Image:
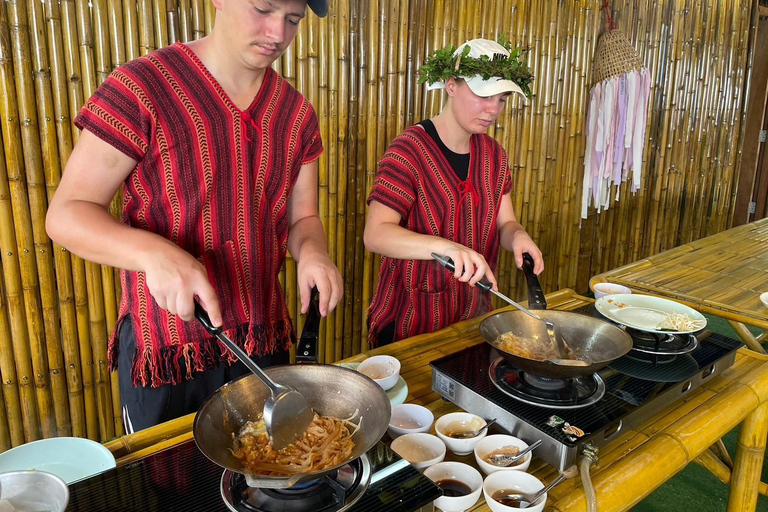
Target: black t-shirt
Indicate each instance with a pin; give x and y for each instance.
(459, 161)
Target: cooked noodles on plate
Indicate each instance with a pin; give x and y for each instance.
(651, 314)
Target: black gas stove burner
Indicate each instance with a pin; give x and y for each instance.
(666, 344)
(543, 391)
(334, 492)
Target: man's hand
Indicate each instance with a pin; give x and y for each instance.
(175, 278)
(316, 269)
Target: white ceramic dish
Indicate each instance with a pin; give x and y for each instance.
(421, 450)
(466, 421)
(384, 370)
(396, 394)
(494, 442)
(764, 298)
(512, 481)
(33, 490)
(602, 289)
(69, 458)
(409, 419)
(461, 472)
(645, 313)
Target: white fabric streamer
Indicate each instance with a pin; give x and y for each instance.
(616, 125)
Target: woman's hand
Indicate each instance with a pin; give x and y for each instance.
(521, 244)
(470, 265)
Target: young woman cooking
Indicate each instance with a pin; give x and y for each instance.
(443, 187)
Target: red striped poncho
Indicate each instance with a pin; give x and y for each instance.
(416, 181)
(215, 180)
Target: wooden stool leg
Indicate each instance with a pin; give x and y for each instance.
(747, 336)
(748, 465)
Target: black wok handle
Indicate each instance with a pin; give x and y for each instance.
(306, 350)
(536, 299)
(447, 262)
(202, 315)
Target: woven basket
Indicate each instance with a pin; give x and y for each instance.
(614, 56)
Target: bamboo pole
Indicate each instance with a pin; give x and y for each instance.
(28, 195)
(12, 393)
(38, 195)
(75, 93)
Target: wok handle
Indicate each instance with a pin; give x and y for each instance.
(306, 350)
(536, 299)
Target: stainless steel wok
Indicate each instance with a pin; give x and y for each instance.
(329, 390)
(600, 341)
(587, 336)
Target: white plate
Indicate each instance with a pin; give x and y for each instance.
(645, 313)
(70, 458)
(764, 298)
(397, 394)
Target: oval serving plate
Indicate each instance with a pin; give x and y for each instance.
(397, 394)
(69, 458)
(646, 313)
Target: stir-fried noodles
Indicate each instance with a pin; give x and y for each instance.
(529, 348)
(326, 443)
(680, 322)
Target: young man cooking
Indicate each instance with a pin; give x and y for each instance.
(217, 156)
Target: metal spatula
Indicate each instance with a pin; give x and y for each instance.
(286, 412)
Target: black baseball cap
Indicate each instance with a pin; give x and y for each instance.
(319, 7)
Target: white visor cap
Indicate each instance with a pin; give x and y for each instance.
(479, 86)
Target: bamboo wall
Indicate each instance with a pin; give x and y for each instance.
(358, 67)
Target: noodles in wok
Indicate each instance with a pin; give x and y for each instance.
(529, 348)
(326, 443)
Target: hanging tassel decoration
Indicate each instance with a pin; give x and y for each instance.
(616, 119)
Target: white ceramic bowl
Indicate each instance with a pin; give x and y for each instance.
(421, 450)
(452, 472)
(512, 481)
(33, 490)
(494, 442)
(764, 298)
(603, 289)
(384, 370)
(409, 419)
(459, 421)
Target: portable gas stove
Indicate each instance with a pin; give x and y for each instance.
(571, 414)
(181, 478)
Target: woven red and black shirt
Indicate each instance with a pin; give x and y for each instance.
(415, 180)
(215, 180)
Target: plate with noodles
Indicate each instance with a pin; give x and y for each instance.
(651, 314)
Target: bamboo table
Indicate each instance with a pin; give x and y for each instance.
(722, 275)
(629, 468)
